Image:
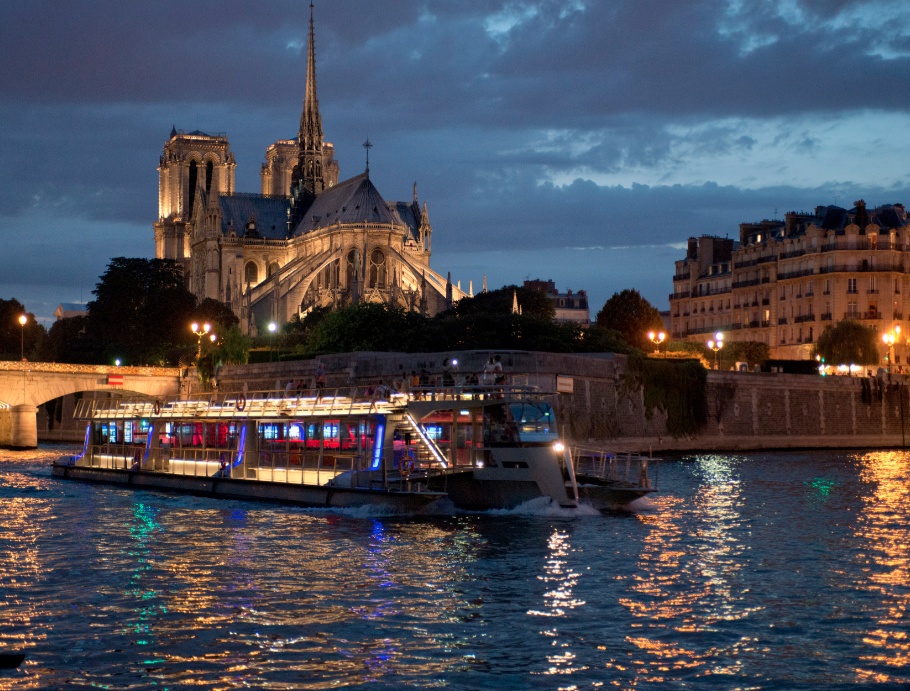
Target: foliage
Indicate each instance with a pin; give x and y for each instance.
(233, 348)
(141, 311)
(632, 316)
(216, 313)
(13, 334)
(678, 388)
(67, 341)
(752, 352)
(361, 327)
(849, 342)
(532, 303)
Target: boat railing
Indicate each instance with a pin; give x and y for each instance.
(351, 400)
(632, 469)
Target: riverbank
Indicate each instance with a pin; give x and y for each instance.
(598, 405)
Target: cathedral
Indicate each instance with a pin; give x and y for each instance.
(306, 241)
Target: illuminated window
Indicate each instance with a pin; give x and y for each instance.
(377, 269)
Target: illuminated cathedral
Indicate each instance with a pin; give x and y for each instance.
(307, 240)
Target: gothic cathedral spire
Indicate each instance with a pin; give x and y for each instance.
(307, 178)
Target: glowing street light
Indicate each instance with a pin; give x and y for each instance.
(889, 340)
(273, 327)
(657, 339)
(200, 332)
(716, 344)
(23, 318)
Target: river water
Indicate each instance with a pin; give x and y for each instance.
(773, 570)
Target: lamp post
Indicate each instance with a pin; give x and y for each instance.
(273, 327)
(716, 344)
(657, 339)
(889, 339)
(23, 318)
(200, 332)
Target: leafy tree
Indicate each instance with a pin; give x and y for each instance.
(752, 352)
(142, 312)
(233, 347)
(849, 342)
(216, 313)
(632, 316)
(13, 334)
(68, 341)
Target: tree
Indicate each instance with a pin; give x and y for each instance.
(752, 352)
(632, 316)
(14, 337)
(67, 341)
(849, 343)
(216, 313)
(142, 312)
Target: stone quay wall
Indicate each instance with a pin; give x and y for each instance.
(746, 411)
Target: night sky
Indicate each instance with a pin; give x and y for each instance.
(576, 140)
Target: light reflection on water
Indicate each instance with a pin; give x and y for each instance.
(743, 572)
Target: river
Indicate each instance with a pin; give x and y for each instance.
(772, 570)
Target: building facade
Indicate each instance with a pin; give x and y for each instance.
(570, 307)
(783, 282)
(306, 241)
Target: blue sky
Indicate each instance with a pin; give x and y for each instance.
(576, 140)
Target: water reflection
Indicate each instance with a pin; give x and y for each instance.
(685, 591)
(560, 580)
(883, 566)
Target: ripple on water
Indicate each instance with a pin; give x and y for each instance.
(764, 571)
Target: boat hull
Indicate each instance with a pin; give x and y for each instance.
(606, 497)
(469, 492)
(229, 488)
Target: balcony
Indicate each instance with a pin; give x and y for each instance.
(747, 284)
(804, 318)
(785, 275)
(872, 291)
(766, 301)
(826, 317)
(781, 320)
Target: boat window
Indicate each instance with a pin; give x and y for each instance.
(535, 421)
(499, 426)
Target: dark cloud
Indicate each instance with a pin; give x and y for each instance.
(488, 104)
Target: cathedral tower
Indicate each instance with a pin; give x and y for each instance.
(189, 161)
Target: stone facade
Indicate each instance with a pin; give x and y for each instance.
(783, 282)
(306, 241)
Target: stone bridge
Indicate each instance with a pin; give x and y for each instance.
(26, 385)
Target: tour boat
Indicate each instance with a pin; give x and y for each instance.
(480, 448)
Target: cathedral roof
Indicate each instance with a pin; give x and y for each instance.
(353, 201)
(268, 214)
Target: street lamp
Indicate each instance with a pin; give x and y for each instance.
(273, 327)
(23, 318)
(200, 332)
(657, 339)
(716, 345)
(889, 339)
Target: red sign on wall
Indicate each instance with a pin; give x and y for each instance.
(115, 379)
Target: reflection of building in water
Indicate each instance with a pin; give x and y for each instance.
(307, 241)
(885, 567)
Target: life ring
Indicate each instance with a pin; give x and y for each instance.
(157, 407)
(241, 402)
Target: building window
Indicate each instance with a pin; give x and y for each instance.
(251, 273)
(377, 269)
(851, 285)
(851, 308)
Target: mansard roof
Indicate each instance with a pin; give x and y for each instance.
(836, 218)
(354, 201)
(270, 214)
